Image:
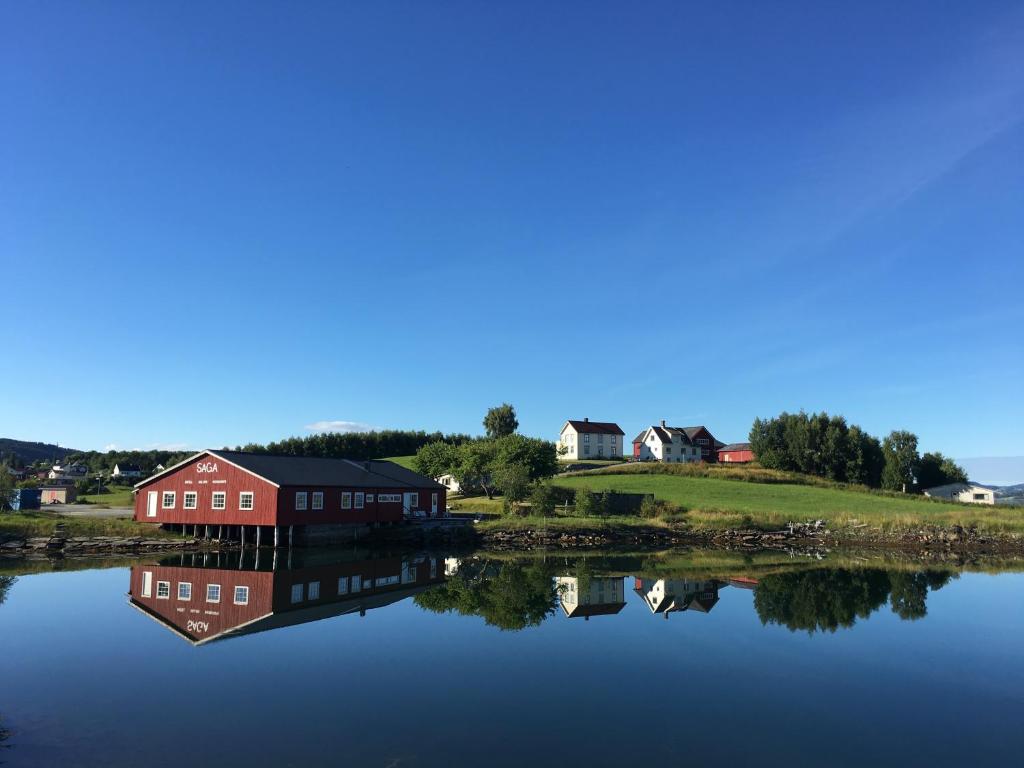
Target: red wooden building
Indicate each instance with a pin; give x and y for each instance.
(735, 453)
(231, 596)
(214, 493)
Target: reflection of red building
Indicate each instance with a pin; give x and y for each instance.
(205, 603)
(232, 492)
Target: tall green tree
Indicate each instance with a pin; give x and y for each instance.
(901, 460)
(6, 487)
(935, 469)
(501, 421)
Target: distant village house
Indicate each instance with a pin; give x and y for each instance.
(968, 493)
(126, 471)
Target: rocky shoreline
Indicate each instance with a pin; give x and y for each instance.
(59, 544)
(814, 535)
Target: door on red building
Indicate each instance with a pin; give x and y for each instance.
(151, 504)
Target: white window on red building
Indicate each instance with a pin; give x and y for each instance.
(190, 500)
(245, 500)
(318, 499)
(300, 501)
(167, 501)
(219, 500)
(346, 500)
(359, 500)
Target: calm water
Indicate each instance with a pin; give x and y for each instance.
(415, 659)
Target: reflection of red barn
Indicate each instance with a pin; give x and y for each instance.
(743, 582)
(202, 604)
(735, 453)
(262, 494)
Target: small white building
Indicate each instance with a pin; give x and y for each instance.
(126, 471)
(590, 440)
(968, 493)
(68, 472)
(449, 482)
(668, 444)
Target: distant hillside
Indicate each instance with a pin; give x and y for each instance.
(32, 452)
(1010, 494)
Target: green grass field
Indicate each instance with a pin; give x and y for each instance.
(402, 461)
(116, 497)
(712, 503)
(42, 523)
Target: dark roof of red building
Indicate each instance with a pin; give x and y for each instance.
(598, 427)
(736, 447)
(312, 470)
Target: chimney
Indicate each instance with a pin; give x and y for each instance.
(662, 423)
(585, 419)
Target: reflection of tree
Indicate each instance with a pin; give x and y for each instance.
(514, 597)
(827, 599)
(4, 734)
(6, 582)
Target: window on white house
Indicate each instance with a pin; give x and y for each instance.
(297, 592)
(241, 595)
(190, 500)
(359, 500)
(213, 593)
(184, 590)
(346, 500)
(318, 499)
(313, 591)
(245, 500)
(163, 590)
(300, 501)
(586, 438)
(167, 501)
(668, 449)
(219, 500)
(586, 450)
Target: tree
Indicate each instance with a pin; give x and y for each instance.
(543, 500)
(436, 459)
(901, 460)
(475, 465)
(6, 487)
(513, 481)
(540, 457)
(864, 461)
(935, 469)
(501, 421)
(585, 502)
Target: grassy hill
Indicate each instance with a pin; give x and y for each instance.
(728, 497)
(402, 461)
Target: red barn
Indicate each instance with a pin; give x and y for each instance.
(263, 495)
(735, 453)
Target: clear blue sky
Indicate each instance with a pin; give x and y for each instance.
(229, 222)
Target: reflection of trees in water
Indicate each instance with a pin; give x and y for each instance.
(6, 582)
(510, 596)
(4, 736)
(827, 599)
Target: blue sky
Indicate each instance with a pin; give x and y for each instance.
(233, 222)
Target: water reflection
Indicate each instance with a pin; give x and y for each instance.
(209, 597)
(206, 597)
(830, 598)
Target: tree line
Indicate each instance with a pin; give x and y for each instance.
(826, 446)
(359, 446)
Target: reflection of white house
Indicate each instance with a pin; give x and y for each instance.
(590, 440)
(969, 493)
(668, 444)
(596, 596)
(667, 596)
(451, 566)
(449, 482)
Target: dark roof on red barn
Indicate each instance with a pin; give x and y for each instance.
(736, 447)
(596, 427)
(312, 470)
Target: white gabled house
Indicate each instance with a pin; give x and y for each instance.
(591, 440)
(668, 444)
(968, 493)
(449, 482)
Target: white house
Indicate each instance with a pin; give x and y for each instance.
(126, 471)
(668, 444)
(449, 482)
(969, 493)
(68, 472)
(591, 440)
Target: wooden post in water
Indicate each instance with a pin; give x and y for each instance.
(259, 535)
(277, 536)
(273, 565)
(291, 535)
(243, 535)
